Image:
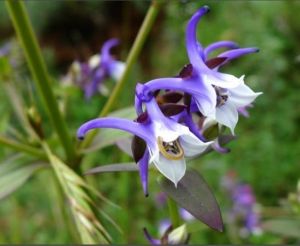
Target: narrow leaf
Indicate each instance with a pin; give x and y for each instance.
(12, 180)
(284, 227)
(120, 167)
(193, 194)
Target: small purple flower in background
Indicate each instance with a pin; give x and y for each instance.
(244, 206)
(11, 50)
(158, 139)
(90, 76)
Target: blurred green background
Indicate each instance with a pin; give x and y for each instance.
(265, 155)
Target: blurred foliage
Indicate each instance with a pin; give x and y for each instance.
(265, 155)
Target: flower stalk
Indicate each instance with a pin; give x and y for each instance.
(174, 213)
(22, 147)
(131, 59)
(27, 38)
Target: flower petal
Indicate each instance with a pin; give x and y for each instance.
(227, 115)
(116, 69)
(191, 145)
(236, 53)
(143, 167)
(91, 88)
(222, 80)
(242, 95)
(105, 50)
(203, 93)
(219, 45)
(173, 170)
(192, 45)
(135, 128)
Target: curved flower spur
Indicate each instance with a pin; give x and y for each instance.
(216, 95)
(157, 138)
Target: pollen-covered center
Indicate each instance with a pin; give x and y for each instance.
(170, 150)
(222, 96)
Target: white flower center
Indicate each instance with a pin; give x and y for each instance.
(171, 150)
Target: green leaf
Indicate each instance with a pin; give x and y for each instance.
(194, 195)
(107, 137)
(120, 167)
(14, 174)
(283, 227)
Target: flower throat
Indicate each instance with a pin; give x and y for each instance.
(171, 150)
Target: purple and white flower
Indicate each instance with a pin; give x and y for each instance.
(167, 141)
(217, 95)
(90, 75)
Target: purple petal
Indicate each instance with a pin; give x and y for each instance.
(105, 50)
(204, 94)
(217, 147)
(192, 45)
(244, 110)
(92, 87)
(151, 240)
(116, 69)
(143, 167)
(122, 124)
(193, 128)
(233, 54)
(219, 45)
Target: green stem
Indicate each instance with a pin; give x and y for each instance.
(131, 59)
(22, 147)
(174, 213)
(27, 38)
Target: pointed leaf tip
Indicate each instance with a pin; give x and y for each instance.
(194, 195)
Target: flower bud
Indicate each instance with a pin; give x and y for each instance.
(178, 236)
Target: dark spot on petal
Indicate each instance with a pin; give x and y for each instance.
(142, 118)
(172, 97)
(187, 98)
(186, 71)
(214, 62)
(170, 109)
(138, 147)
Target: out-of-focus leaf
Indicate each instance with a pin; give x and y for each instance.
(283, 227)
(194, 195)
(5, 68)
(14, 174)
(108, 136)
(125, 145)
(120, 167)
(18, 105)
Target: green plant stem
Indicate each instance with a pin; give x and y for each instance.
(131, 59)
(174, 213)
(27, 38)
(22, 147)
